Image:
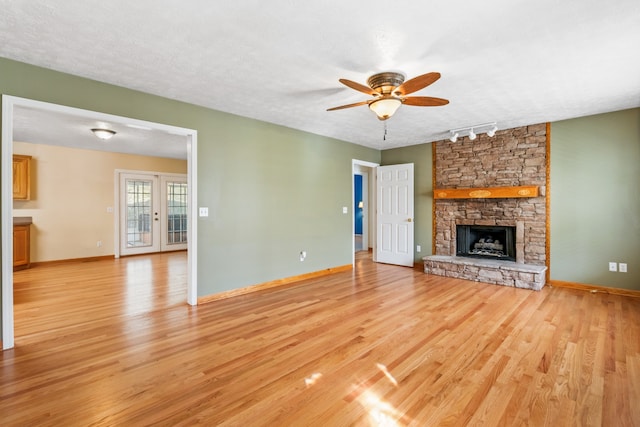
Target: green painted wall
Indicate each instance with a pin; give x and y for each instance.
(421, 157)
(271, 191)
(595, 199)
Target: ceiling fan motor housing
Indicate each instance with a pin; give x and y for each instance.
(385, 82)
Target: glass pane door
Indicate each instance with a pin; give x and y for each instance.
(139, 214)
(153, 213)
(175, 213)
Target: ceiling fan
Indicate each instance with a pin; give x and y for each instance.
(389, 91)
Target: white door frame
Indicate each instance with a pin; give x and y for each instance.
(355, 169)
(6, 196)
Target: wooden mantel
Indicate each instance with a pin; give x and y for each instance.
(487, 193)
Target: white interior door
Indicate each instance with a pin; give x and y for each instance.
(395, 214)
(139, 214)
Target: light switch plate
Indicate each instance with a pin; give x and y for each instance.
(345, 210)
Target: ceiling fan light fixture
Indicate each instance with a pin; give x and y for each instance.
(390, 90)
(385, 107)
(103, 133)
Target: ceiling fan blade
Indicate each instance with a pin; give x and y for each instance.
(359, 87)
(416, 83)
(348, 106)
(424, 101)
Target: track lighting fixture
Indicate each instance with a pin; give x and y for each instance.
(473, 131)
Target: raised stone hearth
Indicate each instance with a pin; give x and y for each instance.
(505, 273)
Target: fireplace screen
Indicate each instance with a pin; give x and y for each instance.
(491, 242)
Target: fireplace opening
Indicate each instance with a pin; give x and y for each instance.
(489, 242)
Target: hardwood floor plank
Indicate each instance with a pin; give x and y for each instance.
(113, 342)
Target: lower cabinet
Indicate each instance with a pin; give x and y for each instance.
(21, 249)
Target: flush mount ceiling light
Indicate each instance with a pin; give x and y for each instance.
(473, 131)
(103, 133)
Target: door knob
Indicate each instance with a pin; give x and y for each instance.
(409, 220)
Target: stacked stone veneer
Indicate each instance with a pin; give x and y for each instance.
(504, 273)
(513, 157)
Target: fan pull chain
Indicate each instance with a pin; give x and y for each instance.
(384, 137)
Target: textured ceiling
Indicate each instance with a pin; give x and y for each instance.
(512, 62)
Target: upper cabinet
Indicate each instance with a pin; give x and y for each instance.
(21, 177)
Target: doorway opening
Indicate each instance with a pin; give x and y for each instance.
(9, 106)
(360, 214)
(363, 186)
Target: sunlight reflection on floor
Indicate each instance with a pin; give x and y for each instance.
(312, 379)
(387, 374)
(381, 413)
(139, 286)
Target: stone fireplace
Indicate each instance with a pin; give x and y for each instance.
(492, 183)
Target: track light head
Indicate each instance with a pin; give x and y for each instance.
(472, 135)
(454, 137)
(492, 131)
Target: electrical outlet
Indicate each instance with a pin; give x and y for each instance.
(345, 210)
(623, 267)
(203, 211)
(418, 248)
(613, 266)
(303, 255)
(99, 243)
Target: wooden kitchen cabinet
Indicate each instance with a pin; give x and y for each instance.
(21, 243)
(21, 177)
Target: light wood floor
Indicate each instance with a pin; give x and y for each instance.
(114, 343)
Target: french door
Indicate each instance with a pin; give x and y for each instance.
(153, 213)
